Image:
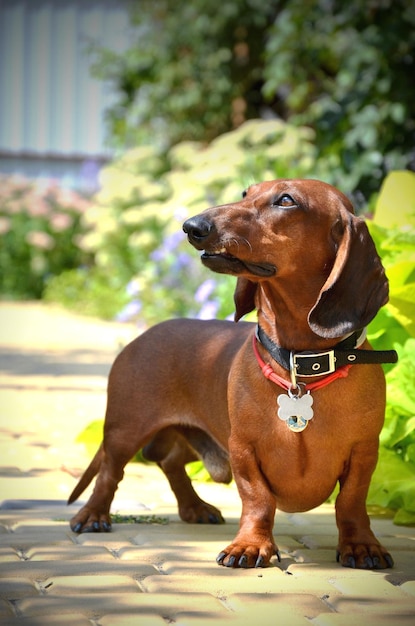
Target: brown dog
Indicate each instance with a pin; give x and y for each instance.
(189, 389)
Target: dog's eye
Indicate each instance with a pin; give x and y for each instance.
(285, 201)
(245, 191)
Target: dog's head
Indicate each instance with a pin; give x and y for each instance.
(300, 231)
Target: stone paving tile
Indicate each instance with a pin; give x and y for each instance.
(409, 587)
(369, 586)
(319, 541)
(149, 575)
(68, 553)
(82, 584)
(225, 583)
(26, 539)
(382, 527)
(318, 555)
(403, 570)
(45, 570)
(400, 543)
(274, 609)
(6, 612)
(168, 559)
(365, 605)
(75, 619)
(12, 588)
(374, 619)
(95, 606)
(286, 543)
(225, 619)
(8, 554)
(133, 620)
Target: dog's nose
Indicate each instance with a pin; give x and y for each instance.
(198, 229)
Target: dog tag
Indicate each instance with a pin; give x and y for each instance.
(295, 411)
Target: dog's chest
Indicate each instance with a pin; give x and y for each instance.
(301, 473)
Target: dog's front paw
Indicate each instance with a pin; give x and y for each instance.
(248, 553)
(364, 556)
(90, 521)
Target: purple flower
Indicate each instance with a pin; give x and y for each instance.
(129, 311)
(208, 311)
(182, 260)
(132, 288)
(90, 175)
(169, 245)
(205, 290)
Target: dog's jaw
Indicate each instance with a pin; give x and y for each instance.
(222, 262)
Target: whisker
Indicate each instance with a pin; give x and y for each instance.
(247, 243)
(237, 243)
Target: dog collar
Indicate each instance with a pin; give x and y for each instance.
(325, 362)
(295, 406)
(289, 386)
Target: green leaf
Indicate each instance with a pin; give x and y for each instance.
(397, 431)
(410, 453)
(197, 471)
(404, 518)
(401, 273)
(385, 331)
(393, 482)
(92, 434)
(400, 380)
(396, 201)
(402, 306)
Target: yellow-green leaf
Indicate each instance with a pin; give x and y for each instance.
(396, 202)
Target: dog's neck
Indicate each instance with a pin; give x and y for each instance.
(283, 315)
(284, 333)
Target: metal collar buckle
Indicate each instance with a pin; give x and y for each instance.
(314, 364)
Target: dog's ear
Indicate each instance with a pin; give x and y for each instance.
(357, 285)
(244, 297)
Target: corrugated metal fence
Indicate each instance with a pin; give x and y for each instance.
(51, 108)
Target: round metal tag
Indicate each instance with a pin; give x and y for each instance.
(296, 423)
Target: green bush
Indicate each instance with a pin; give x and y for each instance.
(393, 228)
(88, 291)
(351, 83)
(40, 226)
(343, 68)
(134, 228)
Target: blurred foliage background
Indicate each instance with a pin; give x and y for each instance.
(213, 96)
(344, 69)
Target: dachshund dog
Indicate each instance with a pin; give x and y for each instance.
(290, 406)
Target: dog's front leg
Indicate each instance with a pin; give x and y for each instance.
(254, 544)
(358, 546)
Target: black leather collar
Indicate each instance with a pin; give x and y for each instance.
(324, 362)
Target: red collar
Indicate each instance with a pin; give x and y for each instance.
(269, 373)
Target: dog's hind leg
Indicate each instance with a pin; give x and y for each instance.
(94, 516)
(172, 449)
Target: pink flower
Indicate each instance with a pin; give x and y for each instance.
(5, 223)
(37, 206)
(14, 206)
(39, 239)
(60, 221)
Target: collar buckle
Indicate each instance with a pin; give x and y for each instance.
(314, 364)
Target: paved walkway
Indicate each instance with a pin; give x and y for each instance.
(53, 369)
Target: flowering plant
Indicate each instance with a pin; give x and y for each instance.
(135, 224)
(39, 229)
